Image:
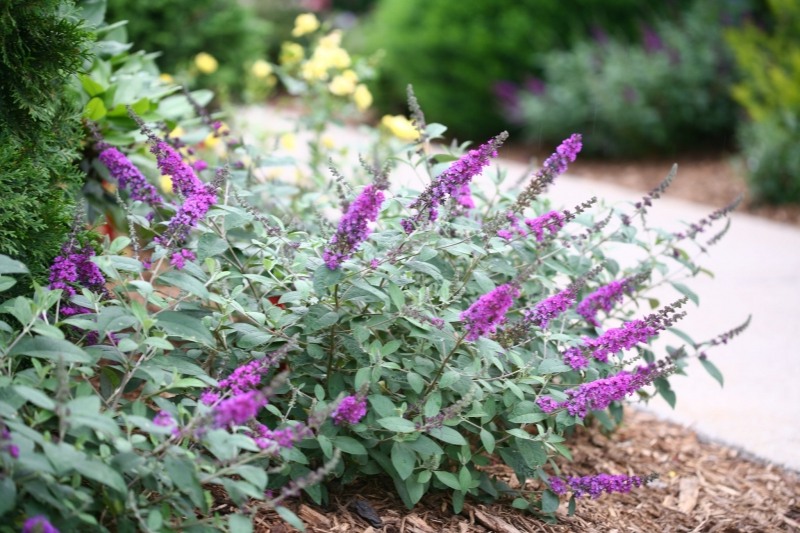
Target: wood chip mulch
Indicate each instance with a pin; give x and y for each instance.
(704, 487)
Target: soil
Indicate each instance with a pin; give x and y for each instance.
(711, 179)
(703, 487)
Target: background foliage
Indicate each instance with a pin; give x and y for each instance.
(42, 45)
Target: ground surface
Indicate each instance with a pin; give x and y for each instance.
(703, 487)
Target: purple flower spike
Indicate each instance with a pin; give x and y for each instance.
(549, 308)
(238, 409)
(488, 312)
(552, 222)
(597, 395)
(129, 177)
(464, 197)
(450, 183)
(179, 258)
(604, 299)
(350, 410)
(38, 524)
(594, 486)
(354, 227)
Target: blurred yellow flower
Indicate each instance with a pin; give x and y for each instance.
(305, 23)
(344, 83)
(291, 53)
(362, 97)
(288, 141)
(206, 63)
(400, 127)
(177, 132)
(165, 182)
(327, 142)
(332, 40)
(166, 78)
(261, 69)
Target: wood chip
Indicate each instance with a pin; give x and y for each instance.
(494, 523)
(689, 491)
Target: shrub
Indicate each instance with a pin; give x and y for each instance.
(453, 51)
(769, 90)
(226, 32)
(42, 45)
(668, 94)
(249, 350)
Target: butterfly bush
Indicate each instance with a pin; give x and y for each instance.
(248, 343)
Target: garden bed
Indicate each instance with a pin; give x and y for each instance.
(703, 487)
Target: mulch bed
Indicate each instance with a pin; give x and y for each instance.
(704, 487)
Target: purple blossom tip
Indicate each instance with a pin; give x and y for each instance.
(354, 227)
(350, 410)
(488, 312)
(38, 524)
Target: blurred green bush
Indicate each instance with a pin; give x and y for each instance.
(454, 51)
(42, 45)
(667, 94)
(769, 89)
(228, 31)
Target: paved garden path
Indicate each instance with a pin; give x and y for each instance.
(757, 271)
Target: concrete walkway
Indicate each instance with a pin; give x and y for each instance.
(757, 271)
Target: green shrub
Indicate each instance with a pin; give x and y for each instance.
(42, 45)
(769, 90)
(181, 29)
(668, 94)
(454, 51)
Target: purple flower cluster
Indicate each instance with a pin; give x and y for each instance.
(198, 196)
(594, 486)
(165, 420)
(612, 341)
(74, 269)
(350, 410)
(464, 197)
(239, 408)
(543, 312)
(450, 183)
(604, 298)
(551, 221)
(38, 524)
(5, 435)
(354, 227)
(128, 176)
(245, 378)
(279, 439)
(179, 258)
(566, 153)
(599, 394)
(488, 312)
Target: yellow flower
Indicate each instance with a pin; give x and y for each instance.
(165, 182)
(166, 78)
(291, 53)
(261, 69)
(362, 97)
(332, 40)
(177, 132)
(344, 83)
(305, 23)
(206, 63)
(327, 142)
(288, 141)
(314, 69)
(400, 127)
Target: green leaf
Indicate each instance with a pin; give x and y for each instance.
(184, 326)
(528, 418)
(239, 523)
(91, 87)
(349, 445)
(95, 109)
(465, 479)
(51, 349)
(425, 268)
(397, 424)
(185, 282)
(549, 502)
(448, 435)
(552, 366)
(36, 397)
(102, 473)
(255, 475)
(324, 277)
(396, 295)
(415, 382)
(686, 291)
(6, 283)
(290, 518)
(448, 479)
(532, 452)
(458, 501)
(488, 441)
(11, 266)
(8, 494)
(665, 390)
(712, 370)
(183, 474)
(403, 459)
